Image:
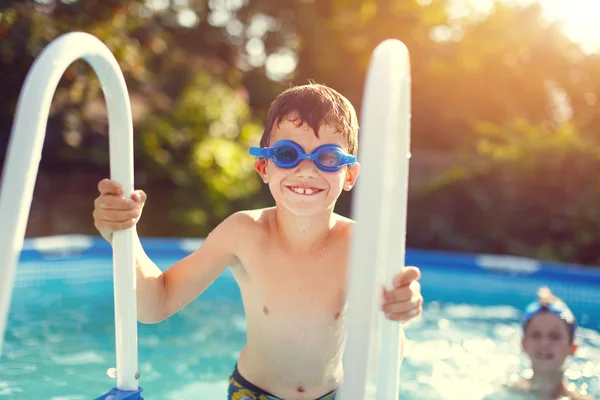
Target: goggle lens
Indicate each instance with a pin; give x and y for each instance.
(329, 158)
(285, 154)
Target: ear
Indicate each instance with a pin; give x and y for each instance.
(260, 166)
(351, 176)
(574, 347)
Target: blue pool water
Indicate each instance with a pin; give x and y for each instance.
(60, 338)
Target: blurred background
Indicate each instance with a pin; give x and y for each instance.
(505, 124)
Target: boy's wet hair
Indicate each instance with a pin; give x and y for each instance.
(314, 104)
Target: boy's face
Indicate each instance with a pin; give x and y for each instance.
(547, 342)
(305, 189)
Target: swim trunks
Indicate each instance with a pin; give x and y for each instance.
(241, 389)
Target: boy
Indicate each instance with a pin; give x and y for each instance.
(548, 339)
(290, 261)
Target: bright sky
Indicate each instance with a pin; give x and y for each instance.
(580, 19)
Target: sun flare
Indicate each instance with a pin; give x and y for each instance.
(579, 19)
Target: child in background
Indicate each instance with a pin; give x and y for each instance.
(548, 339)
(290, 261)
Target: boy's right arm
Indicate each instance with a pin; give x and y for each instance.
(160, 295)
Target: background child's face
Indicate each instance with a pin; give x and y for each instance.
(547, 342)
(305, 189)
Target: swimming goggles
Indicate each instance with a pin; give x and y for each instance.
(557, 307)
(288, 154)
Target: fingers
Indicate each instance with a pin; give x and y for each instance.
(413, 304)
(104, 225)
(405, 315)
(107, 186)
(404, 312)
(139, 197)
(113, 215)
(403, 303)
(112, 211)
(112, 202)
(110, 187)
(403, 293)
(408, 275)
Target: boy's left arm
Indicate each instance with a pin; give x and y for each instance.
(404, 302)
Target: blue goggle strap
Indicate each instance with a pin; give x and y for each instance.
(557, 308)
(263, 152)
(348, 159)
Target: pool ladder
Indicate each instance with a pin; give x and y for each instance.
(20, 173)
(378, 247)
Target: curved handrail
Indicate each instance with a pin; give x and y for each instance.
(379, 239)
(22, 164)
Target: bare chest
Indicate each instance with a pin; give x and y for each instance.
(303, 285)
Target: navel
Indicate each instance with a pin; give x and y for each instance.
(300, 389)
(265, 310)
(338, 315)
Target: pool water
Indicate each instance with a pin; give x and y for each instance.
(60, 340)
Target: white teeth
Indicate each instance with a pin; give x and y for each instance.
(300, 190)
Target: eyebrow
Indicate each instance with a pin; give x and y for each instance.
(537, 330)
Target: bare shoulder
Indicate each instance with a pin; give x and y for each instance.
(244, 224)
(342, 222)
(524, 386)
(521, 386)
(515, 390)
(252, 218)
(343, 227)
(231, 239)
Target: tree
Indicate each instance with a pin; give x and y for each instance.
(192, 122)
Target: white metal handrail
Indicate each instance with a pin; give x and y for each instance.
(379, 238)
(22, 164)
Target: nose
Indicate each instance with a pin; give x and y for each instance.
(544, 342)
(306, 169)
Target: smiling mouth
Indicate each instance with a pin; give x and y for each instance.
(305, 191)
(544, 356)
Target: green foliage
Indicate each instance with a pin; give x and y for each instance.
(199, 148)
(192, 120)
(27, 27)
(530, 190)
(200, 73)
